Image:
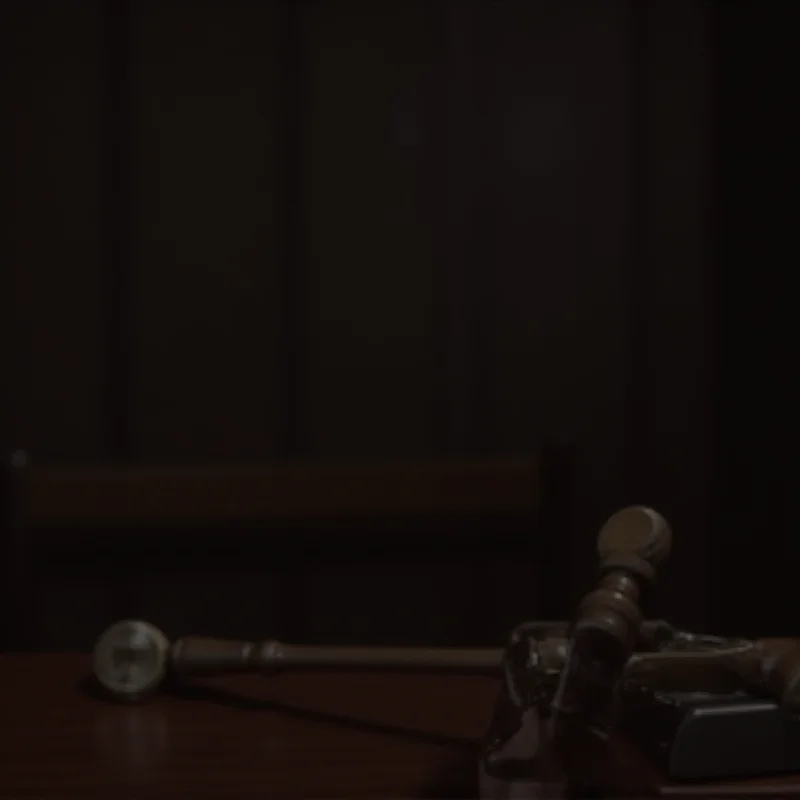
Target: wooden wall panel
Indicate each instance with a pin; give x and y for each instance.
(55, 257)
(370, 287)
(206, 295)
(563, 195)
(563, 207)
(674, 371)
(367, 230)
(754, 472)
(229, 600)
(464, 113)
(205, 285)
(70, 608)
(381, 275)
(396, 600)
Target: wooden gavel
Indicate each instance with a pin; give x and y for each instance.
(604, 631)
(609, 622)
(133, 658)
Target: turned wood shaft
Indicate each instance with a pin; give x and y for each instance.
(200, 655)
(771, 666)
(207, 655)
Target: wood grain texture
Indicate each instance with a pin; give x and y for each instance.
(309, 552)
(674, 371)
(330, 735)
(370, 299)
(469, 239)
(55, 253)
(205, 298)
(562, 172)
(120, 495)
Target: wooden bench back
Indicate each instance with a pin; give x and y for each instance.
(84, 508)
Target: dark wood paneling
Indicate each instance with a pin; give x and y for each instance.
(226, 550)
(204, 287)
(206, 275)
(338, 734)
(69, 608)
(109, 496)
(367, 389)
(394, 600)
(463, 126)
(118, 230)
(295, 114)
(673, 370)
(757, 405)
(561, 163)
(56, 247)
(373, 295)
(369, 230)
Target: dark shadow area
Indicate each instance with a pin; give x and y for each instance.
(168, 547)
(197, 693)
(456, 780)
(258, 233)
(440, 230)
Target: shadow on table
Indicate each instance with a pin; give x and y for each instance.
(456, 780)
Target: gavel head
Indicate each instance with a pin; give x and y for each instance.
(130, 659)
(636, 531)
(631, 544)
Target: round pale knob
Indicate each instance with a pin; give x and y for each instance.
(130, 659)
(636, 531)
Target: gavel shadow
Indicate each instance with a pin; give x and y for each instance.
(455, 779)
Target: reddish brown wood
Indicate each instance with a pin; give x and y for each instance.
(337, 735)
(114, 495)
(333, 735)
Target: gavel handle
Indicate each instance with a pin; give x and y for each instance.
(768, 665)
(206, 656)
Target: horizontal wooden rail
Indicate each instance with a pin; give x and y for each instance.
(302, 491)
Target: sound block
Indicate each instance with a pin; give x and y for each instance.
(699, 736)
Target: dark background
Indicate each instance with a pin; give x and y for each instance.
(334, 230)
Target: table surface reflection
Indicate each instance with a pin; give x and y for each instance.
(314, 735)
(320, 735)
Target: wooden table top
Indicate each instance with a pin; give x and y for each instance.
(314, 735)
(325, 735)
